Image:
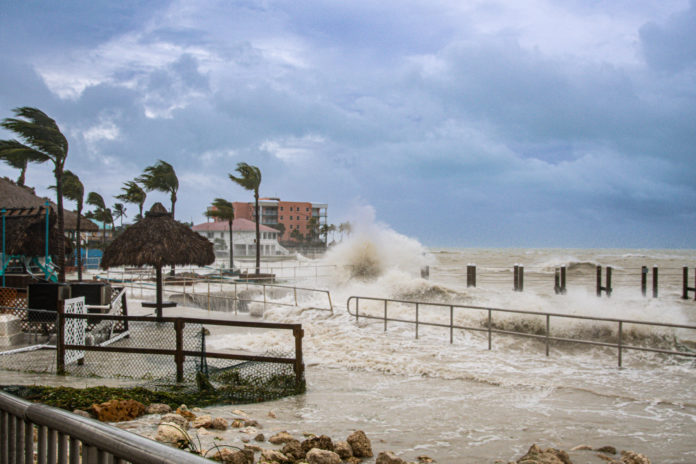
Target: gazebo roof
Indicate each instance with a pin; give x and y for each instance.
(158, 240)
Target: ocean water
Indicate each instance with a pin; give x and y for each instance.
(462, 403)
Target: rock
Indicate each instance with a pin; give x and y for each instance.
(387, 457)
(202, 421)
(630, 457)
(321, 442)
(253, 448)
(320, 456)
(581, 448)
(219, 424)
(280, 438)
(80, 412)
(259, 437)
(274, 456)
(118, 410)
(607, 450)
(606, 458)
(425, 459)
(271, 414)
(184, 411)
(536, 455)
(234, 456)
(360, 444)
(252, 423)
(237, 423)
(175, 419)
(239, 412)
(353, 460)
(293, 449)
(171, 433)
(343, 449)
(158, 408)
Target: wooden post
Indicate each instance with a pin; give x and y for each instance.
(124, 311)
(60, 339)
(299, 363)
(520, 276)
(471, 275)
(654, 282)
(179, 356)
(557, 281)
(515, 277)
(599, 280)
(685, 283)
(563, 280)
(644, 280)
(158, 291)
(607, 288)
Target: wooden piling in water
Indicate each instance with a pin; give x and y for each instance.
(471, 275)
(685, 284)
(607, 287)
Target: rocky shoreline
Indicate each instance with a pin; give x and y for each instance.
(239, 440)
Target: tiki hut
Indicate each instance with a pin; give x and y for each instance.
(25, 231)
(158, 240)
(19, 196)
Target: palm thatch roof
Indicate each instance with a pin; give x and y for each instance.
(25, 232)
(19, 196)
(158, 240)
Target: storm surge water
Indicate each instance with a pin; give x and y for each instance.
(460, 402)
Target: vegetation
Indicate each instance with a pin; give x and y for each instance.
(223, 209)
(42, 141)
(119, 212)
(162, 177)
(75, 191)
(133, 193)
(101, 212)
(250, 179)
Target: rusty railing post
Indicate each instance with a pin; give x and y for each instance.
(298, 333)
(179, 356)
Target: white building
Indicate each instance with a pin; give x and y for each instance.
(244, 238)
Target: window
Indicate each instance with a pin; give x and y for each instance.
(307, 209)
(281, 218)
(281, 208)
(291, 218)
(290, 226)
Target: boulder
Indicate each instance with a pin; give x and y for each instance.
(360, 444)
(172, 433)
(175, 419)
(238, 423)
(259, 437)
(293, 449)
(322, 442)
(274, 456)
(387, 457)
(158, 408)
(253, 448)
(219, 423)
(202, 421)
(280, 438)
(630, 457)
(234, 456)
(184, 411)
(252, 423)
(117, 410)
(320, 456)
(343, 449)
(425, 459)
(607, 450)
(536, 455)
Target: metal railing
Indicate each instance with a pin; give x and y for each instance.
(188, 288)
(62, 438)
(620, 346)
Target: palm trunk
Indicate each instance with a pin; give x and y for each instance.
(60, 253)
(173, 271)
(258, 232)
(79, 244)
(231, 248)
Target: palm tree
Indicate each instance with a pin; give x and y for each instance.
(224, 210)
(99, 213)
(250, 179)
(17, 161)
(119, 212)
(75, 191)
(133, 193)
(161, 177)
(324, 230)
(43, 141)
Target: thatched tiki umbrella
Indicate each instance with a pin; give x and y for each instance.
(158, 240)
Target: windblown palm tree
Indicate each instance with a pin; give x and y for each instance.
(17, 161)
(250, 179)
(133, 193)
(162, 177)
(119, 212)
(100, 212)
(224, 210)
(42, 141)
(75, 191)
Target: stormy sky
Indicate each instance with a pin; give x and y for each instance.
(568, 123)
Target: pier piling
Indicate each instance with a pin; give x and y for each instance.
(471, 275)
(685, 284)
(560, 281)
(607, 287)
